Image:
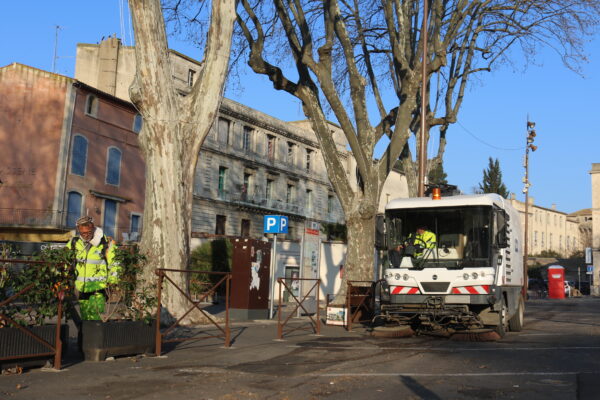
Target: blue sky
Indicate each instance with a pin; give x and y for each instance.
(492, 121)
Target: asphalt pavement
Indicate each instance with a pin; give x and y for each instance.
(556, 356)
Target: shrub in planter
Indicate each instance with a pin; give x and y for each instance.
(127, 324)
(37, 306)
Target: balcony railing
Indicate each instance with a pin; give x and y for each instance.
(37, 218)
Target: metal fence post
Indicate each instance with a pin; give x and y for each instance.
(227, 328)
(318, 307)
(57, 340)
(158, 337)
(279, 327)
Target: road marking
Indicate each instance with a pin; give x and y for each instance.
(448, 349)
(464, 374)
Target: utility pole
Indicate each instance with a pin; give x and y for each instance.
(57, 28)
(528, 145)
(422, 153)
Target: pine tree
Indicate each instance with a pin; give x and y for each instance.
(437, 176)
(492, 179)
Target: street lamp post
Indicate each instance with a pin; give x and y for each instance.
(422, 151)
(529, 146)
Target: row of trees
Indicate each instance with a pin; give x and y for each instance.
(337, 58)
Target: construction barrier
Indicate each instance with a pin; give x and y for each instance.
(359, 302)
(225, 329)
(315, 325)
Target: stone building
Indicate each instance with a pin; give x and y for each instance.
(67, 150)
(549, 229)
(250, 165)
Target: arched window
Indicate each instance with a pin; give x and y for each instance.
(137, 123)
(91, 105)
(79, 155)
(73, 208)
(113, 166)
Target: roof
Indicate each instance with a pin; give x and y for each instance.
(488, 199)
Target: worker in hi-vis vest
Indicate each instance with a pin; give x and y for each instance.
(424, 239)
(95, 268)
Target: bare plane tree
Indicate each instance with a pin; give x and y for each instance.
(173, 131)
(349, 56)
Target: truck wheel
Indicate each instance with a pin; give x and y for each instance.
(516, 322)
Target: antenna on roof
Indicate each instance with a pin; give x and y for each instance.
(57, 27)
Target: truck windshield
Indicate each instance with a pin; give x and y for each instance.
(450, 237)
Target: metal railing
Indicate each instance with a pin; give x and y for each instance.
(358, 302)
(53, 350)
(315, 325)
(225, 330)
(32, 217)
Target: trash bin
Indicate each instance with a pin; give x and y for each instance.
(556, 282)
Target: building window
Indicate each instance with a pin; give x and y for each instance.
(550, 241)
(309, 154)
(223, 131)
(73, 208)
(270, 148)
(290, 194)
(134, 228)
(247, 139)
(330, 201)
(290, 153)
(542, 239)
(560, 243)
(269, 189)
(190, 79)
(79, 155)
(138, 121)
(110, 217)
(222, 189)
(220, 225)
(91, 105)
(245, 228)
(113, 166)
(309, 200)
(246, 187)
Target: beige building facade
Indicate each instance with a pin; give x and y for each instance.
(549, 229)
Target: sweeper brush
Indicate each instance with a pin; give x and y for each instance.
(476, 335)
(392, 331)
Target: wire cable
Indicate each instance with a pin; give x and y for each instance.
(486, 143)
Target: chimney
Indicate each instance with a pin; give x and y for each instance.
(108, 60)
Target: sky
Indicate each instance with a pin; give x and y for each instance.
(491, 123)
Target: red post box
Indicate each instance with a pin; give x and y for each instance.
(556, 282)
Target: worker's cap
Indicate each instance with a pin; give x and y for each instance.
(84, 221)
(422, 226)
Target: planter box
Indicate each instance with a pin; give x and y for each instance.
(116, 338)
(15, 345)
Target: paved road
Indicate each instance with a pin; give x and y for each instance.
(557, 356)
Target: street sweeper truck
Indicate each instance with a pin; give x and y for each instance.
(455, 263)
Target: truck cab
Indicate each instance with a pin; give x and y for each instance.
(469, 277)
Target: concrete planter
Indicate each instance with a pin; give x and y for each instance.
(116, 338)
(18, 348)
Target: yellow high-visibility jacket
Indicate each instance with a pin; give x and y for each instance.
(96, 266)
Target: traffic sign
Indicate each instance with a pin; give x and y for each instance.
(590, 270)
(275, 224)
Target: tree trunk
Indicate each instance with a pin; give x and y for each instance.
(174, 129)
(168, 211)
(360, 255)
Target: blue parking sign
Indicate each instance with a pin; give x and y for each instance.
(275, 224)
